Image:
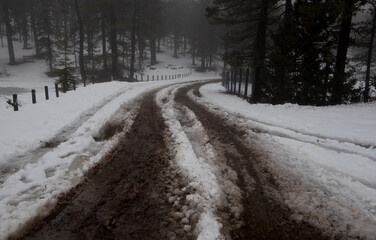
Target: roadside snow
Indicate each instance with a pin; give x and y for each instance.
(32, 124)
(321, 155)
(355, 123)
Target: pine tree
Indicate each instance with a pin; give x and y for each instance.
(300, 64)
(64, 67)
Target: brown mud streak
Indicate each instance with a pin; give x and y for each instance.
(263, 217)
(122, 198)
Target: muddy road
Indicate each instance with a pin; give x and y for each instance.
(142, 191)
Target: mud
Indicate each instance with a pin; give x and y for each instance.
(122, 198)
(263, 216)
(127, 195)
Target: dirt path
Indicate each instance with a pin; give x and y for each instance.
(122, 198)
(125, 196)
(263, 217)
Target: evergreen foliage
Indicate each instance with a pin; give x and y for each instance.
(299, 60)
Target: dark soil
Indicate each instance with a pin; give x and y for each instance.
(122, 198)
(263, 217)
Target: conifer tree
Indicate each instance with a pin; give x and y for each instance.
(65, 67)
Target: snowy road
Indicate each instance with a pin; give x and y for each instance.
(184, 168)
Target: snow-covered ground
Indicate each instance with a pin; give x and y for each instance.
(331, 150)
(45, 148)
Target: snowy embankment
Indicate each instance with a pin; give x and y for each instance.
(324, 157)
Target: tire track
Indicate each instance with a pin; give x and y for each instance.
(263, 216)
(121, 198)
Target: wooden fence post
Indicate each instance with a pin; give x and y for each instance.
(92, 79)
(246, 83)
(57, 90)
(33, 96)
(46, 92)
(15, 102)
(142, 78)
(148, 78)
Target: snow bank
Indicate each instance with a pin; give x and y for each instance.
(326, 171)
(355, 123)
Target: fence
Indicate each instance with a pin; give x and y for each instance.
(64, 87)
(239, 82)
(157, 77)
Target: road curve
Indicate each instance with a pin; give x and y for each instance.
(142, 191)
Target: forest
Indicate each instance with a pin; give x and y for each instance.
(310, 52)
(108, 38)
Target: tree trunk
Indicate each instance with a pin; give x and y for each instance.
(176, 43)
(90, 54)
(1, 34)
(25, 29)
(49, 52)
(260, 50)
(12, 59)
(343, 44)
(133, 43)
(203, 58)
(113, 43)
(153, 51)
(81, 50)
(104, 46)
(34, 28)
(369, 58)
(176, 29)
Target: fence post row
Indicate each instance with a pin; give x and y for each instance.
(158, 77)
(229, 81)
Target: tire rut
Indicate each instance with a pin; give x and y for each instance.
(263, 216)
(121, 198)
